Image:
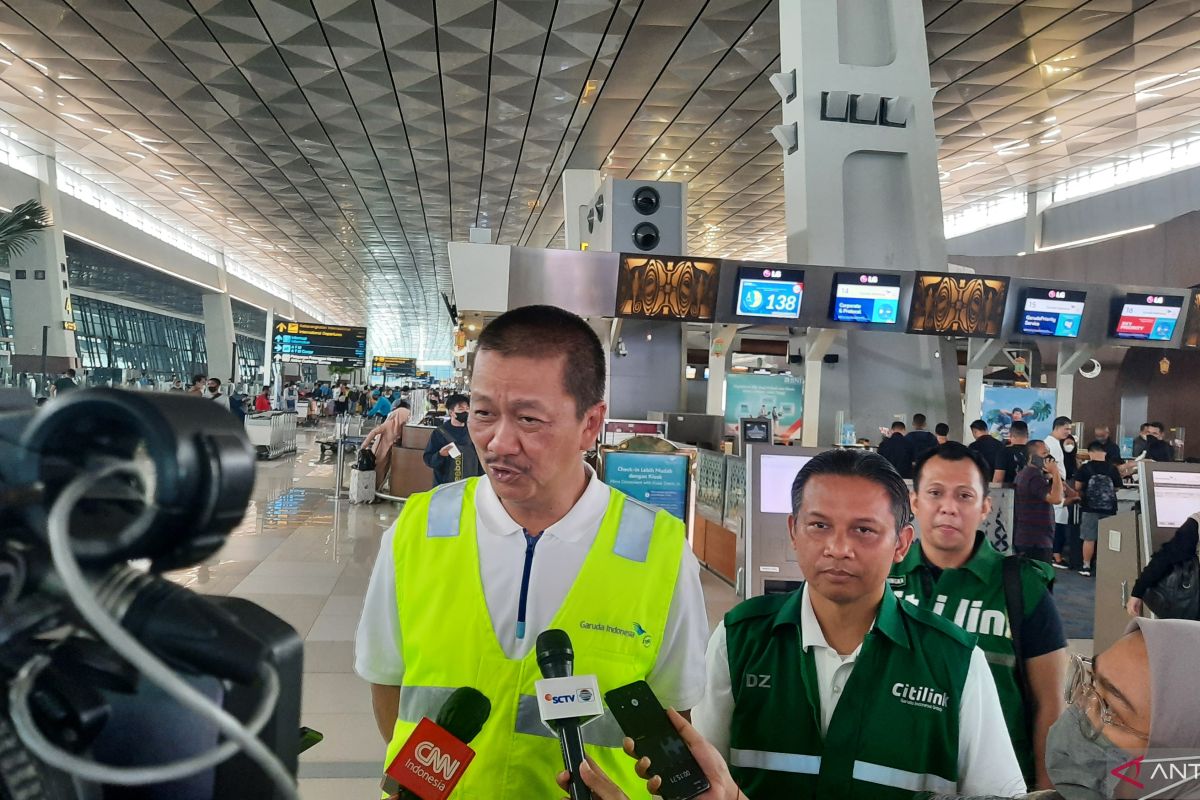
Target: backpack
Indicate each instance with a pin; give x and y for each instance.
(1177, 595)
(1100, 493)
(366, 460)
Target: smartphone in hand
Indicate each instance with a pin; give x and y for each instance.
(643, 719)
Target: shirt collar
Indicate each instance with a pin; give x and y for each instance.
(981, 564)
(798, 611)
(584, 517)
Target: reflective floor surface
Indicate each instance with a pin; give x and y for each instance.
(307, 558)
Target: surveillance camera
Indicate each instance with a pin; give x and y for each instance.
(788, 137)
(785, 85)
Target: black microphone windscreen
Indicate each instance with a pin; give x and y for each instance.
(555, 656)
(463, 713)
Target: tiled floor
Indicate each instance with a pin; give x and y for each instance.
(307, 559)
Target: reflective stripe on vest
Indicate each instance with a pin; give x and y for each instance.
(779, 762)
(902, 779)
(423, 701)
(445, 510)
(601, 731)
(1003, 659)
(634, 531)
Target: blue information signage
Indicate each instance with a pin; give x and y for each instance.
(314, 343)
(657, 479)
(1052, 312)
(770, 292)
(867, 298)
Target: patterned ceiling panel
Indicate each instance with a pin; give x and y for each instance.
(336, 146)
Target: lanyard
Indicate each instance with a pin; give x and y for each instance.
(530, 544)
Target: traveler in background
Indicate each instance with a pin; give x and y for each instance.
(385, 436)
(872, 697)
(382, 407)
(237, 401)
(290, 396)
(446, 467)
(1038, 490)
(1013, 457)
(919, 439)
(1179, 548)
(897, 449)
(985, 445)
(262, 401)
(1059, 431)
(1157, 448)
(953, 568)
(65, 382)
(214, 393)
(942, 432)
(1097, 482)
(176, 384)
(1070, 456)
(341, 399)
(1112, 451)
(1139, 441)
(198, 387)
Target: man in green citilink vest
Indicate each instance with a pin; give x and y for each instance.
(955, 572)
(839, 689)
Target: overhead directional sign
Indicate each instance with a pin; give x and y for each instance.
(394, 365)
(314, 343)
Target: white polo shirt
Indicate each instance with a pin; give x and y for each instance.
(1062, 514)
(678, 675)
(987, 764)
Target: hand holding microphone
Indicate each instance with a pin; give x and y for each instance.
(434, 758)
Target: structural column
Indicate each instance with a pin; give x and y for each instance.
(41, 293)
(219, 336)
(861, 187)
(720, 354)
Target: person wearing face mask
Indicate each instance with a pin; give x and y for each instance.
(1157, 448)
(1135, 702)
(450, 453)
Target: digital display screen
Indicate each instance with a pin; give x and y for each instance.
(775, 482)
(314, 343)
(769, 292)
(1176, 496)
(865, 297)
(958, 304)
(1052, 312)
(667, 287)
(394, 365)
(1149, 317)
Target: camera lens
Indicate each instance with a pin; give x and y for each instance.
(646, 200)
(634, 702)
(645, 236)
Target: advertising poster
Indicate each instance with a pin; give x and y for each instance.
(1003, 404)
(657, 479)
(780, 397)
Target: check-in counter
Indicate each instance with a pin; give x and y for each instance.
(409, 475)
(714, 543)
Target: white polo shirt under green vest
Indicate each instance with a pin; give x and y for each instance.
(615, 574)
(913, 709)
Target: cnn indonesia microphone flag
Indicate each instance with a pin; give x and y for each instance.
(429, 765)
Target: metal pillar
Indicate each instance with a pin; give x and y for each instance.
(1070, 358)
(720, 354)
(818, 344)
(980, 353)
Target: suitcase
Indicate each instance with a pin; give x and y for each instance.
(362, 485)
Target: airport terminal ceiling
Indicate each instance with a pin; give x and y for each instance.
(337, 145)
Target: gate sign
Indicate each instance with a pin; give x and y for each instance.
(394, 365)
(314, 343)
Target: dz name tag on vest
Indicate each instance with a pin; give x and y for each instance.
(561, 698)
(430, 764)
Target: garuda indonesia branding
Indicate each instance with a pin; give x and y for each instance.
(635, 632)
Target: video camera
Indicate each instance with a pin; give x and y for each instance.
(113, 670)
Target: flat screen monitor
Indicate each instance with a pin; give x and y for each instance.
(1148, 317)
(865, 297)
(1052, 312)
(775, 480)
(1176, 496)
(667, 287)
(1191, 329)
(769, 292)
(958, 304)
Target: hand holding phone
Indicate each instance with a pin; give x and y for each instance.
(643, 720)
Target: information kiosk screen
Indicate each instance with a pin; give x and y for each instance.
(1149, 317)
(1052, 312)
(865, 297)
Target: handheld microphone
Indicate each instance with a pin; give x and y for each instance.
(556, 659)
(434, 758)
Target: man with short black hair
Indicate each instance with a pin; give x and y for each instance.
(1012, 458)
(474, 571)
(1059, 431)
(1139, 441)
(65, 383)
(919, 439)
(897, 449)
(1157, 448)
(838, 689)
(450, 452)
(1112, 452)
(197, 387)
(1038, 490)
(942, 432)
(1097, 482)
(215, 394)
(954, 571)
(985, 445)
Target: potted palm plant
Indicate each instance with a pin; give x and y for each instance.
(18, 227)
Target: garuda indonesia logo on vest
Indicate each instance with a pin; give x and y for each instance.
(636, 632)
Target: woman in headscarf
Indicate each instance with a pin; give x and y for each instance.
(384, 437)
